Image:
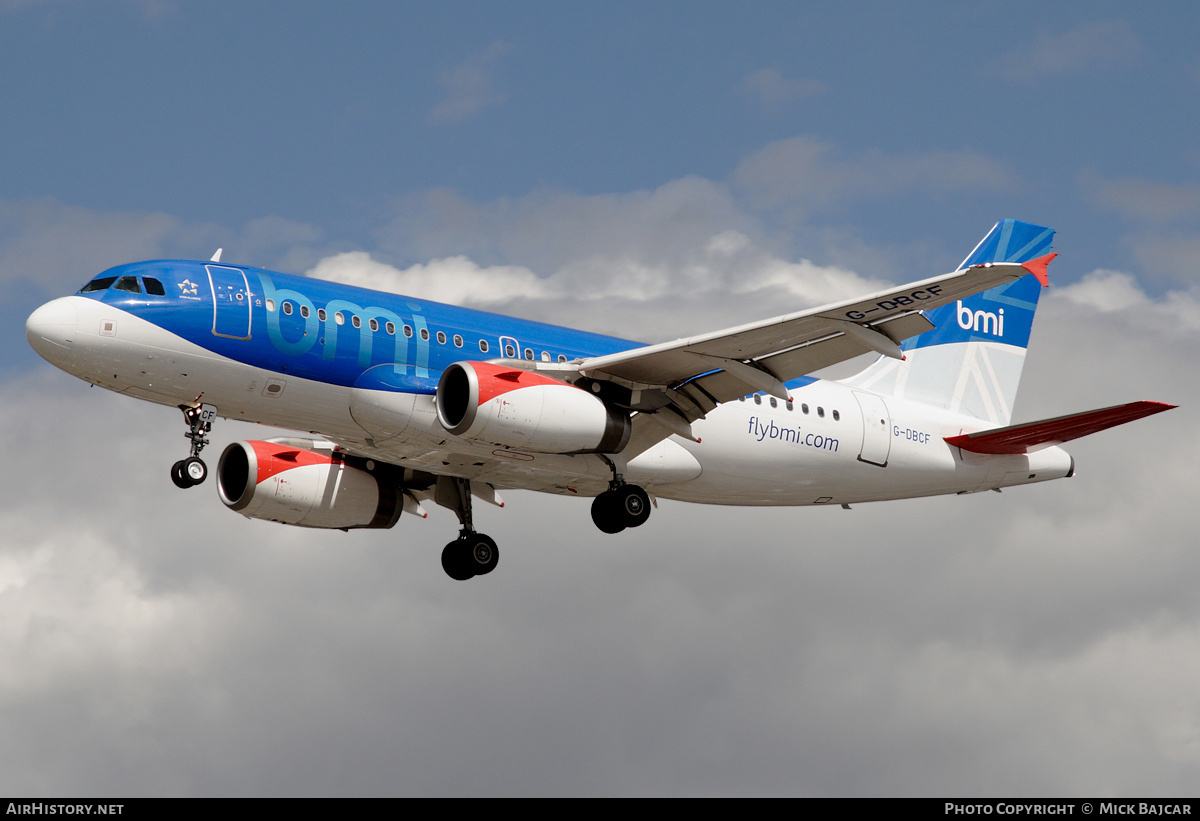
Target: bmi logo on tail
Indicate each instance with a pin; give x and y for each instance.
(981, 321)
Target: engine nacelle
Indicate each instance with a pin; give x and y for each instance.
(526, 410)
(295, 485)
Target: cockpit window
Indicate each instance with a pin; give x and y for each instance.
(98, 284)
(128, 284)
(153, 286)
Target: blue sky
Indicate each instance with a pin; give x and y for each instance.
(650, 170)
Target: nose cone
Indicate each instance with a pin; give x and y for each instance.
(51, 330)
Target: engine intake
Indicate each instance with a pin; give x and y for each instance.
(296, 485)
(526, 410)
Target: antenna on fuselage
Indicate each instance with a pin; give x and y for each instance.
(217, 256)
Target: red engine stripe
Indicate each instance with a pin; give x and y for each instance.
(274, 458)
(496, 380)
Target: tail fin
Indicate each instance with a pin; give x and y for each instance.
(971, 361)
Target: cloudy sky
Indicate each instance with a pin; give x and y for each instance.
(646, 169)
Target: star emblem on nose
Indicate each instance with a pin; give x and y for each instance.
(187, 287)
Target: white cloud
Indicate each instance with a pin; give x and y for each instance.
(456, 280)
(640, 267)
(807, 173)
(1141, 199)
(772, 91)
(1086, 46)
(470, 86)
(58, 247)
(1171, 258)
(156, 643)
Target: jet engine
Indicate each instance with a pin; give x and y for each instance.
(291, 482)
(525, 410)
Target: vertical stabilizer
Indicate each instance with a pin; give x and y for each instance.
(971, 362)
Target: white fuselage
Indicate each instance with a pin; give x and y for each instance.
(835, 445)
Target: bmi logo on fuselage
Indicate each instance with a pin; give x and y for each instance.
(984, 322)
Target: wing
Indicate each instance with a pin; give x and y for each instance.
(675, 383)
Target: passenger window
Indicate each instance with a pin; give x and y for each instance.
(390, 328)
(153, 286)
(457, 341)
(545, 356)
(741, 399)
(339, 318)
(790, 406)
(441, 337)
(271, 305)
(129, 284)
(774, 402)
(510, 351)
(304, 311)
(408, 331)
(374, 323)
(321, 314)
(820, 411)
(425, 334)
(804, 407)
(100, 284)
(483, 346)
(355, 321)
(529, 354)
(562, 357)
(287, 307)
(836, 416)
(758, 399)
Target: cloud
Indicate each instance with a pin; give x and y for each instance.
(155, 643)
(771, 91)
(811, 174)
(1171, 258)
(158, 644)
(1086, 46)
(469, 87)
(1140, 199)
(649, 264)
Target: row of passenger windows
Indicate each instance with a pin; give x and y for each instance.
(758, 400)
(130, 284)
(510, 351)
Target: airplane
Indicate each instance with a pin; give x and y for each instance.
(409, 401)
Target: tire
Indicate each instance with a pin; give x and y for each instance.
(194, 470)
(481, 554)
(633, 504)
(179, 477)
(453, 562)
(606, 513)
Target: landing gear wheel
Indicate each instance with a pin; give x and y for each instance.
(633, 504)
(481, 554)
(606, 513)
(454, 561)
(178, 476)
(194, 470)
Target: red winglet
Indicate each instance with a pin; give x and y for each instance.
(1037, 267)
(1033, 436)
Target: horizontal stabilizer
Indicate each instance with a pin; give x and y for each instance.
(1033, 436)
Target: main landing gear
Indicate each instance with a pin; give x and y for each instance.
(192, 471)
(621, 506)
(471, 554)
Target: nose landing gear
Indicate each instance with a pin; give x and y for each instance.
(192, 471)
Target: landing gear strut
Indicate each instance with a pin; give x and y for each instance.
(622, 505)
(471, 554)
(192, 471)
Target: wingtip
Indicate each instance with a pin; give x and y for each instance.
(1038, 266)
